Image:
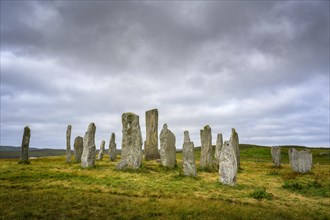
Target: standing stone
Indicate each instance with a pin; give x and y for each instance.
(112, 147)
(206, 148)
(101, 152)
(88, 156)
(78, 149)
(188, 160)
(218, 147)
(276, 155)
(25, 146)
(167, 147)
(300, 161)
(131, 145)
(228, 164)
(235, 143)
(68, 144)
(151, 142)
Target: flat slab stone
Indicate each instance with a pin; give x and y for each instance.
(228, 164)
(151, 143)
(276, 155)
(218, 148)
(78, 148)
(206, 160)
(88, 156)
(101, 151)
(167, 147)
(68, 144)
(188, 157)
(301, 161)
(131, 148)
(112, 147)
(235, 143)
(25, 146)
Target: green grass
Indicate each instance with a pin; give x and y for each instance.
(49, 188)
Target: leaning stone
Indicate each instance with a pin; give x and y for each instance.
(112, 147)
(167, 147)
(235, 143)
(131, 146)
(151, 143)
(218, 147)
(188, 160)
(88, 156)
(301, 161)
(68, 144)
(276, 155)
(228, 164)
(101, 152)
(25, 146)
(206, 159)
(78, 149)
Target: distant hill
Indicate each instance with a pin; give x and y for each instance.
(253, 152)
(15, 152)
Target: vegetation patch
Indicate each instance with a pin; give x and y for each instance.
(261, 193)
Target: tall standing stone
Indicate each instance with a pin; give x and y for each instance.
(167, 147)
(228, 164)
(206, 159)
(88, 156)
(188, 160)
(68, 144)
(25, 146)
(112, 147)
(102, 149)
(151, 143)
(276, 155)
(301, 161)
(131, 145)
(218, 147)
(78, 148)
(235, 143)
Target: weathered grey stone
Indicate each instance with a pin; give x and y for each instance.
(68, 144)
(188, 160)
(206, 159)
(101, 151)
(112, 147)
(25, 146)
(88, 156)
(167, 147)
(151, 143)
(131, 145)
(78, 148)
(228, 164)
(235, 143)
(218, 147)
(276, 155)
(301, 161)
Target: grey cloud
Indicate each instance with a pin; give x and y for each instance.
(261, 67)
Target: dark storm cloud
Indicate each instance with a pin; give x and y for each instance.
(261, 67)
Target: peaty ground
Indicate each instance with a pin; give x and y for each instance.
(48, 188)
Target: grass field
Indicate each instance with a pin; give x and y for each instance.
(48, 188)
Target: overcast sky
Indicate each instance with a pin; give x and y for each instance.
(260, 67)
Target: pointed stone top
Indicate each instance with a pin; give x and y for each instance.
(233, 130)
(91, 126)
(165, 126)
(69, 126)
(186, 137)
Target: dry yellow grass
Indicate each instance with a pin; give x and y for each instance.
(49, 188)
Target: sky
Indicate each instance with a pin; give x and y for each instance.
(261, 67)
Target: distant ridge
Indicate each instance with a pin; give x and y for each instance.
(15, 152)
